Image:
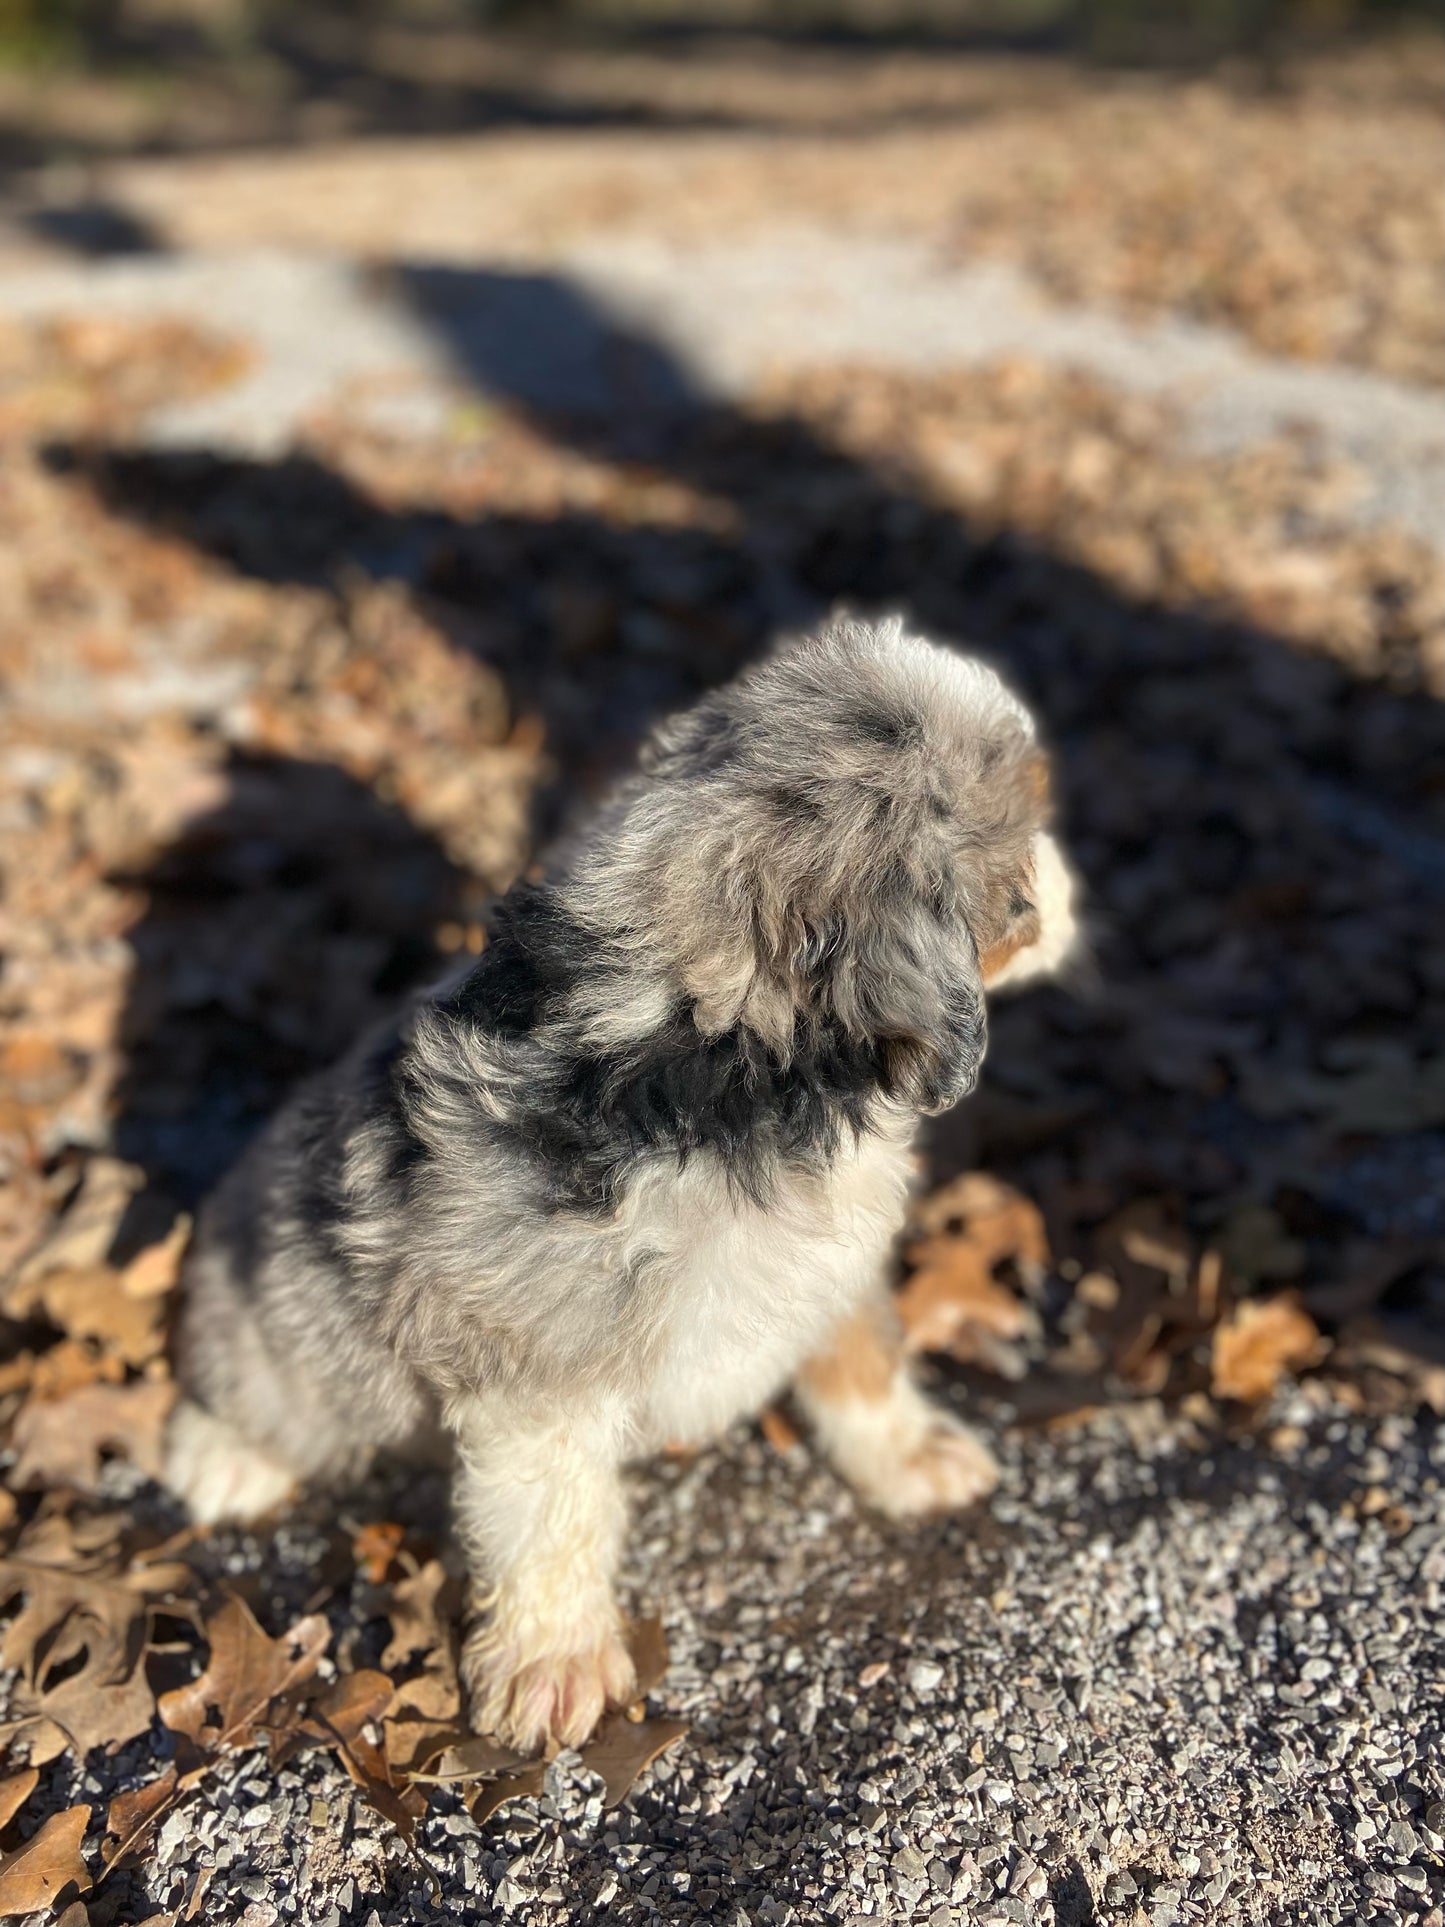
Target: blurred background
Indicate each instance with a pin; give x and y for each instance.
(402, 404)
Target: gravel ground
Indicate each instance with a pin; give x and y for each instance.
(1165, 1679)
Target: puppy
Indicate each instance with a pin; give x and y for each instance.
(644, 1164)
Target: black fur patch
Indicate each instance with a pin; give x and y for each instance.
(678, 1092)
(792, 805)
(535, 954)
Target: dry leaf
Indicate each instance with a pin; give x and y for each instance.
(61, 1441)
(33, 1876)
(991, 1213)
(79, 1644)
(525, 1783)
(16, 1373)
(335, 1719)
(15, 1790)
(75, 1915)
(153, 1272)
(475, 1758)
(375, 1548)
(647, 1643)
(424, 1611)
(42, 1739)
(246, 1672)
(1263, 1339)
(425, 1715)
(952, 1302)
(623, 1748)
(247, 1676)
(133, 1816)
(60, 1535)
(84, 1235)
(952, 1299)
(95, 1304)
(70, 1366)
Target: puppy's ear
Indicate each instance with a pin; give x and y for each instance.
(908, 981)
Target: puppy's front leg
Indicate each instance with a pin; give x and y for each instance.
(898, 1451)
(541, 1513)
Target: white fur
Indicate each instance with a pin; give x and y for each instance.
(750, 1292)
(756, 1291)
(540, 1511)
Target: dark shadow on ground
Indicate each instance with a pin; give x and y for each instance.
(278, 928)
(1072, 1901)
(1258, 831)
(93, 228)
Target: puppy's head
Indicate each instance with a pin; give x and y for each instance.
(849, 841)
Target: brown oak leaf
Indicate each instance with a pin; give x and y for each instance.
(952, 1301)
(61, 1441)
(36, 1874)
(247, 1670)
(1263, 1339)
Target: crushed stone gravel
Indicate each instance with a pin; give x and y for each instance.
(1162, 1679)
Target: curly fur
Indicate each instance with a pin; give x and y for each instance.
(613, 1186)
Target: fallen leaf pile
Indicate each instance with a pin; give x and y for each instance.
(1160, 220)
(1260, 536)
(36, 1874)
(1153, 1315)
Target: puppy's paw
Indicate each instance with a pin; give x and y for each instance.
(220, 1475)
(526, 1699)
(948, 1468)
(905, 1456)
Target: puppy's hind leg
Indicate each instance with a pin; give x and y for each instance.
(231, 1448)
(220, 1475)
(901, 1453)
(541, 1512)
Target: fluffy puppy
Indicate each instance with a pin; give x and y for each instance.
(645, 1163)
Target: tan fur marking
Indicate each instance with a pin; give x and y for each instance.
(862, 1361)
(997, 955)
(1025, 931)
